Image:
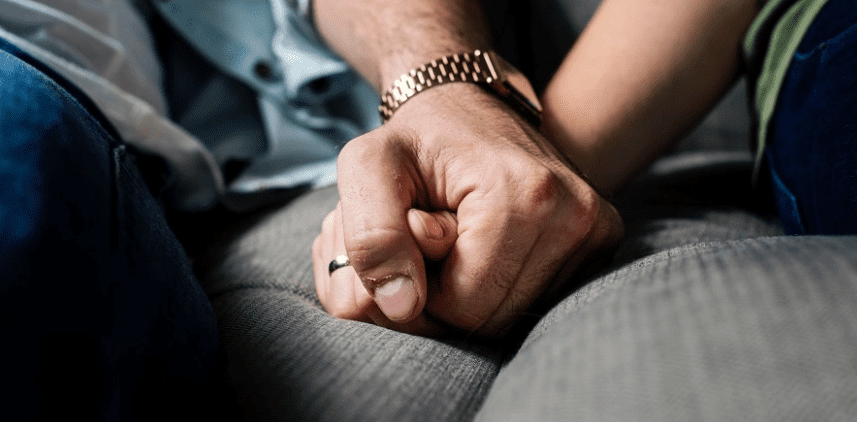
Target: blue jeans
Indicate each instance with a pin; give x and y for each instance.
(812, 153)
(101, 315)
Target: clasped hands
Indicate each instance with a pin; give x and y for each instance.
(456, 213)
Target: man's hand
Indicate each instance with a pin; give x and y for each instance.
(522, 214)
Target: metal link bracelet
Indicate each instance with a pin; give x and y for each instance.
(476, 67)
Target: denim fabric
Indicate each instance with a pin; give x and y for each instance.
(812, 153)
(101, 315)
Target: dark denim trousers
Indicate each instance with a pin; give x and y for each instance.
(101, 315)
(812, 152)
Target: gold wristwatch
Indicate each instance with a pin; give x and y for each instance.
(484, 68)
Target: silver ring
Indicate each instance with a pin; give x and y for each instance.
(337, 263)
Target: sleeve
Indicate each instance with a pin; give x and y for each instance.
(271, 45)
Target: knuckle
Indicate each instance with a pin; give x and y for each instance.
(541, 193)
(352, 149)
(586, 210)
(578, 217)
(609, 227)
(363, 149)
(589, 203)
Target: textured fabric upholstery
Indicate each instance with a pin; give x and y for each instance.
(759, 329)
(286, 359)
(708, 295)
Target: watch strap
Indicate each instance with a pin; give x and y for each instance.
(476, 67)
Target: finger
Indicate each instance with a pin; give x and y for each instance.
(343, 294)
(434, 232)
(348, 297)
(322, 250)
(377, 186)
(353, 301)
(317, 262)
(440, 240)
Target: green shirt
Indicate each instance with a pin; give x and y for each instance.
(769, 46)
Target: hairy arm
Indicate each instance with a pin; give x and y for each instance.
(641, 75)
(383, 39)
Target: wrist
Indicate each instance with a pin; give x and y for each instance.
(484, 68)
(392, 66)
(456, 99)
(383, 39)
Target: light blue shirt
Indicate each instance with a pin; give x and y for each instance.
(263, 113)
(309, 100)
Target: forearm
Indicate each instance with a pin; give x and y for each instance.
(642, 74)
(383, 39)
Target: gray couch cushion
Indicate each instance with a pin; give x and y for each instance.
(287, 359)
(761, 329)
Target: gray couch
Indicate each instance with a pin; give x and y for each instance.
(705, 313)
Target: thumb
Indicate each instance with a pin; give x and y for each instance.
(377, 188)
(434, 232)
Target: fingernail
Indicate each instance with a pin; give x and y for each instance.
(433, 229)
(397, 298)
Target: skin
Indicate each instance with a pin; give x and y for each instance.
(642, 74)
(511, 207)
